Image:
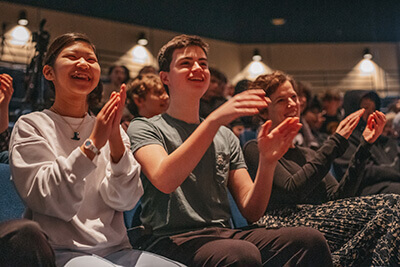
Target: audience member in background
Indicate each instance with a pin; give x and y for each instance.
(250, 123)
(6, 91)
(75, 171)
(332, 101)
(361, 231)
(394, 107)
(147, 70)
(229, 91)
(314, 116)
(118, 74)
(237, 127)
(305, 137)
(389, 130)
(381, 173)
(189, 163)
(146, 96)
(214, 96)
(241, 86)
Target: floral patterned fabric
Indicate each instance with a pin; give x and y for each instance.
(361, 231)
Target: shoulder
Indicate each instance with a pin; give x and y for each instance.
(36, 119)
(140, 124)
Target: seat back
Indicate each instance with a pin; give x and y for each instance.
(11, 205)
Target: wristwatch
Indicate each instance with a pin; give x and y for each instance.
(89, 145)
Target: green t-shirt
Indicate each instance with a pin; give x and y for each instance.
(201, 200)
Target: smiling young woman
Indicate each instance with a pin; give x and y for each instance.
(74, 171)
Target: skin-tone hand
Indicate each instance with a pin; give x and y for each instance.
(375, 124)
(348, 124)
(6, 91)
(247, 103)
(117, 147)
(104, 121)
(274, 144)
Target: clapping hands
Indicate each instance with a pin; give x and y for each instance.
(275, 143)
(375, 124)
(348, 124)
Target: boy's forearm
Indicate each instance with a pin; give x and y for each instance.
(257, 199)
(168, 176)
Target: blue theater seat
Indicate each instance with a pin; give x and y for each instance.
(11, 205)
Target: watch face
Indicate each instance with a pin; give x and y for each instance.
(87, 143)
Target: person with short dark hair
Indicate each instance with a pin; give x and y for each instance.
(188, 165)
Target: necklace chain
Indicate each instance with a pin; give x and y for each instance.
(76, 131)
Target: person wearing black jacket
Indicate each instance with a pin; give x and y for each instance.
(359, 230)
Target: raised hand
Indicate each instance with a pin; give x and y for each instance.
(6, 89)
(247, 103)
(120, 110)
(375, 124)
(348, 124)
(274, 144)
(104, 121)
(117, 147)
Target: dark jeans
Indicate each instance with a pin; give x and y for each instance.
(291, 246)
(23, 243)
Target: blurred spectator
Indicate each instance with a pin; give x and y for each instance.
(382, 171)
(394, 107)
(237, 127)
(241, 86)
(314, 117)
(214, 96)
(147, 70)
(332, 101)
(305, 136)
(229, 91)
(146, 96)
(389, 127)
(118, 74)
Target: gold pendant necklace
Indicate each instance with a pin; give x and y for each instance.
(76, 131)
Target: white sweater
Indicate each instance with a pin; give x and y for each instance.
(77, 202)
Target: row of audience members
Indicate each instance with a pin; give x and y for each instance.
(77, 172)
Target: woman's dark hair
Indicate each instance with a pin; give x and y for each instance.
(55, 49)
(271, 82)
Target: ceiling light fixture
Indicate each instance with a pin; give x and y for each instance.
(142, 40)
(278, 21)
(22, 20)
(256, 55)
(367, 54)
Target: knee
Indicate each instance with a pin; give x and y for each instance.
(308, 239)
(236, 253)
(311, 242)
